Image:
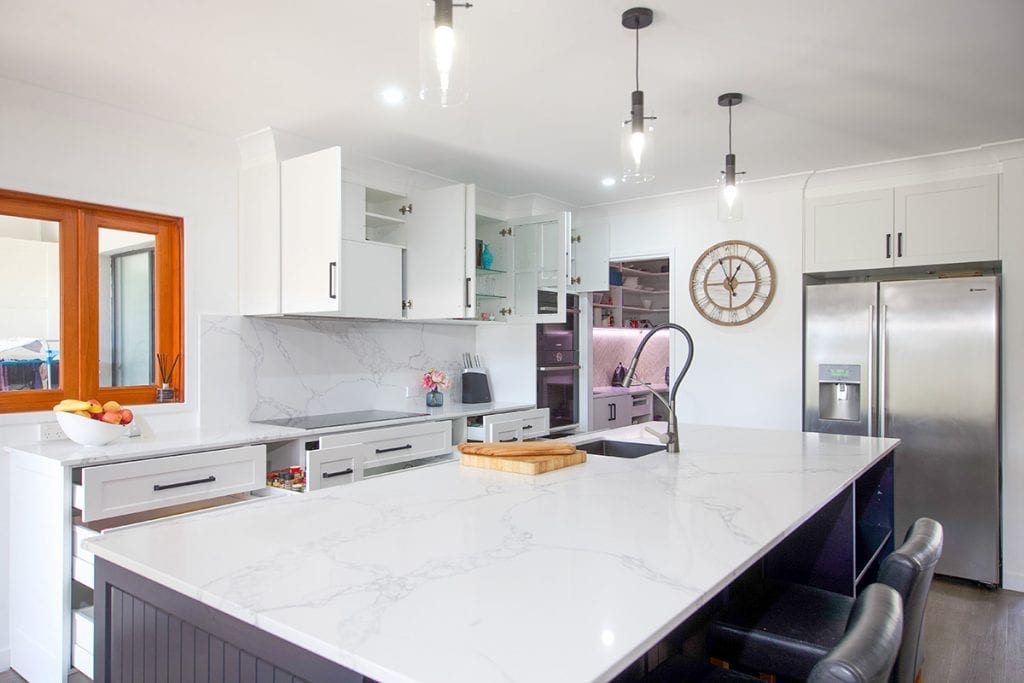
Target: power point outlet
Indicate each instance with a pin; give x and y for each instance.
(410, 392)
(51, 431)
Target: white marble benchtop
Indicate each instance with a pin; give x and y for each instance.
(451, 574)
(154, 444)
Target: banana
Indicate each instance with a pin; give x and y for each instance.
(70, 405)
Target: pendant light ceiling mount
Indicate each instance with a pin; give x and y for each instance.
(637, 138)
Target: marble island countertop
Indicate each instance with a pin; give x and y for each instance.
(635, 389)
(209, 437)
(453, 574)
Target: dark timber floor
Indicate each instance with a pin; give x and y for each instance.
(972, 635)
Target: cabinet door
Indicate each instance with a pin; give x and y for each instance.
(589, 248)
(371, 280)
(953, 221)
(538, 260)
(311, 190)
(440, 254)
(848, 232)
(611, 411)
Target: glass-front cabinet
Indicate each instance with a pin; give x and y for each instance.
(521, 268)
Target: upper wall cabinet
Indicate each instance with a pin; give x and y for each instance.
(948, 222)
(521, 276)
(589, 249)
(322, 272)
(952, 221)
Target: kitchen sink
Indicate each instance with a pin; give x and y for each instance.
(619, 449)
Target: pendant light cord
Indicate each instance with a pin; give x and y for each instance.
(730, 129)
(637, 60)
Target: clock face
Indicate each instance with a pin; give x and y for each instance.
(732, 283)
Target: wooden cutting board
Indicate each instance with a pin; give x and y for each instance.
(524, 464)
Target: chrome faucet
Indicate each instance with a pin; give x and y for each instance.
(671, 437)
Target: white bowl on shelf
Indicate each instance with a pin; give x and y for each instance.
(87, 431)
(646, 303)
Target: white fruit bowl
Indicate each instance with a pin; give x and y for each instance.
(87, 431)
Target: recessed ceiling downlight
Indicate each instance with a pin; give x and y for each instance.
(392, 95)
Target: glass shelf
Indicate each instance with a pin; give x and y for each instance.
(646, 310)
(641, 291)
(489, 271)
(490, 296)
(379, 220)
(633, 271)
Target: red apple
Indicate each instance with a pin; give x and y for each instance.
(126, 416)
(113, 418)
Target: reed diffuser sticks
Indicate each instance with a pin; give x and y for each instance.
(165, 392)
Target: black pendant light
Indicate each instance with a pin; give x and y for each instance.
(443, 55)
(637, 135)
(730, 204)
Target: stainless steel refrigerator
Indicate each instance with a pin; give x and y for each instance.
(917, 360)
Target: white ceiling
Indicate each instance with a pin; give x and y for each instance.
(827, 82)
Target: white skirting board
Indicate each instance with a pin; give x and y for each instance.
(1013, 581)
(5, 659)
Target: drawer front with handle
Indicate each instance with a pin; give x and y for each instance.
(334, 466)
(390, 445)
(123, 488)
(527, 424)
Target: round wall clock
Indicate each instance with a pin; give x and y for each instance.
(732, 282)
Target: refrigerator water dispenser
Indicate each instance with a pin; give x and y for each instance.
(839, 392)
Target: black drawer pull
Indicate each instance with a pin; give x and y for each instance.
(514, 438)
(328, 475)
(164, 487)
(391, 450)
(525, 427)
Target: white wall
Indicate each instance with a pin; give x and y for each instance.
(66, 147)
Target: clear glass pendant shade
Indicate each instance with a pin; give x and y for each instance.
(730, 201)
(444, 58)
(637, 153)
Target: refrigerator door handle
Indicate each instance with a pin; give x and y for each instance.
(883, 371)
(872, 331)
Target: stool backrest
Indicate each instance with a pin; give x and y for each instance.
(909, 569)
(867, 651)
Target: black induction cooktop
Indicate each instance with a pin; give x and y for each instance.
(338, 419)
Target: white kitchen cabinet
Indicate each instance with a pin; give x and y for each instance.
(589, 249)
(517, 425)
(607, 412)
(952, 221)
(848, 231)
(321, 271)
(440, 254)
(59, 507)
(526, 281)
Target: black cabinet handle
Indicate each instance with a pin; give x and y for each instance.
(164, 487)
(525, 427)
(468, 304)
(328, 475)
(888, 245)
(514, 438)
(899, 244)
(331, 268)
(391, 450)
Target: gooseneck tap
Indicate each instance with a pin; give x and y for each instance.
(671, 437)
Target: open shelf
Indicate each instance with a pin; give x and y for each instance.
(635, 271)
(645, 310)
(379, 220)
(490, 296)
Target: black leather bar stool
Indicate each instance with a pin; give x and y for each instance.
(786, 629)
(865, 652)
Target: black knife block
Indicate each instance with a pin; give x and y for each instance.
(476, 386)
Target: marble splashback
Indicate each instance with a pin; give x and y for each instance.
(614, 346)
(262, 368)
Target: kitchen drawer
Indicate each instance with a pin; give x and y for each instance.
(515, 426)
(82, 640)
(123, 488)
(334, 466)
(394, 444)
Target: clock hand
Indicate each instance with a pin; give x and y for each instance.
(722, 266)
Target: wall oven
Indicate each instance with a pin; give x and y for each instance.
(558, 369)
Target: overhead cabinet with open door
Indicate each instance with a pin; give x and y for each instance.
(525, 275)
(588, 253)
(327, 269)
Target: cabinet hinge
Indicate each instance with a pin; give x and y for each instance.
(505, 232)
(406, 305)
(576, 238)
(576, 280)
(505, 311)
(407, 208)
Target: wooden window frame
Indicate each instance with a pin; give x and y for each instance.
(79, 302)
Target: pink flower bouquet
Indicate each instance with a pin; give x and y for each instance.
(435, 379)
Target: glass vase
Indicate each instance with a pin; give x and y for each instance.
(435, 399)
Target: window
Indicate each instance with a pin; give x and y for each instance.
(90, 298)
